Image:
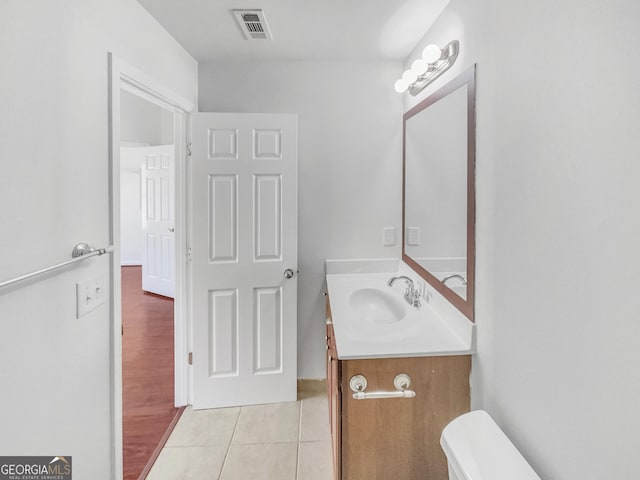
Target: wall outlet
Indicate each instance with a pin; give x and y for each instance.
(413, 236)
(89, 295)
(389, 236)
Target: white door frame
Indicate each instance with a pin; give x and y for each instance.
(125, 76)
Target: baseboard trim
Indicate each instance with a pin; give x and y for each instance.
(312, 385)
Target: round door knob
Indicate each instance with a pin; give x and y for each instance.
(288, 273)
(171, 229)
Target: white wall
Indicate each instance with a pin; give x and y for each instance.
(557, 229)
(54, 369)
(131, 235)
(349, 133)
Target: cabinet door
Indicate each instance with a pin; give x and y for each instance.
(333, 391)
(382, 437)
(336, 419)
(329, 386)
(330, 341)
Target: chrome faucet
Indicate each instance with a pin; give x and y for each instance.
(455, 275)
(411, 294)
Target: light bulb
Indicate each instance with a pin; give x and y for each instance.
(409, 76)
(431, 53)
(419, 66)
(401, 86)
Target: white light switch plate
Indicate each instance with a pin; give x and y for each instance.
(389, 236)
(89, 295)
(413, 236)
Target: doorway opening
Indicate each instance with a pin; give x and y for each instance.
(147, 230)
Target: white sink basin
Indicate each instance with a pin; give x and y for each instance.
(377, 306)
(378, 314)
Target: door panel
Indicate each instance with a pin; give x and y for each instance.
(158, 256)
(244, 217)
(223, 218)
(223, 331)
(267, 352)
(268, 217)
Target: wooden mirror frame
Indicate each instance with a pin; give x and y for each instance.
(468, 78)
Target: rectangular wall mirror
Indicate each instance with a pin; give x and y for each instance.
(438, 210)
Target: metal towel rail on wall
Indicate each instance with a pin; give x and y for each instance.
(80, 252)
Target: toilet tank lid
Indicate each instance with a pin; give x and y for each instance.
(477, 449)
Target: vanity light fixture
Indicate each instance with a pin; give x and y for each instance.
(423, 71)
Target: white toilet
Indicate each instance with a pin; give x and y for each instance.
(477, 449)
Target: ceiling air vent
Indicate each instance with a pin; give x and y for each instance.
(253, 24)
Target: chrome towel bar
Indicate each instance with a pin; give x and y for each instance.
(80, 252)
(402, 381)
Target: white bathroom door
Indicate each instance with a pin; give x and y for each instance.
(244, 258)
(158, 246)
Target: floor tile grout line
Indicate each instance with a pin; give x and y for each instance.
(300, 421)
(299, 438)
(226, 454)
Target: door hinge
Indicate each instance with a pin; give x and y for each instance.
(190, 358)
(188, 149)
(189, 254)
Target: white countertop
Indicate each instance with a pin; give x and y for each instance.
(420, 332)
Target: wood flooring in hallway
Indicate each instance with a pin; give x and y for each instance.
(147, 374)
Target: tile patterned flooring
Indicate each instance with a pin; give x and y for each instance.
(283, 441)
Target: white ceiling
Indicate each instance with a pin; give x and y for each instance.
(301, 29)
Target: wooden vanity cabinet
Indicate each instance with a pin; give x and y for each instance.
(398, 438)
